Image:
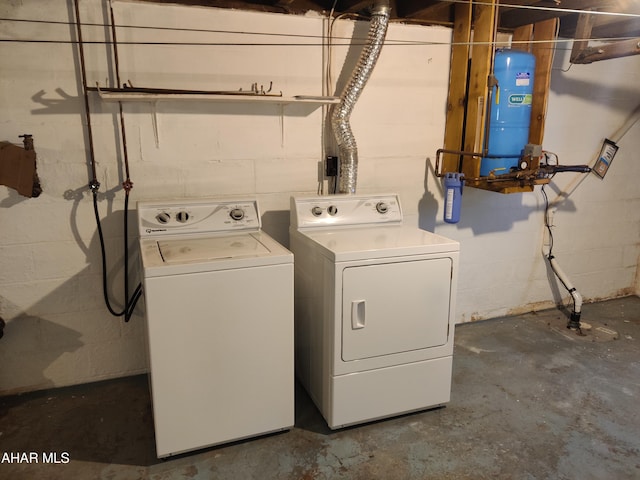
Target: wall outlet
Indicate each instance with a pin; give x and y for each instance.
(331, 166)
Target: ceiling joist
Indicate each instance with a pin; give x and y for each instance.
(609, 19)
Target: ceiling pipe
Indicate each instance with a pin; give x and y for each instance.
(347, 147)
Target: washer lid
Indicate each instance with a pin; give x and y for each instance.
(186, 250)
(164, 256)
(346, 244)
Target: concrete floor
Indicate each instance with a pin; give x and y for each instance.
(530, 400)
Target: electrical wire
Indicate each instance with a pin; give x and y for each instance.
(559, 9)
(387, 43)
(549, 254)
(329, 43)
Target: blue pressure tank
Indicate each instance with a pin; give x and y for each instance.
(510, 112)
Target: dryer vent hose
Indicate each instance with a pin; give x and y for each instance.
(348, 150)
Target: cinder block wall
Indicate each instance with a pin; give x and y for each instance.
(58, 329)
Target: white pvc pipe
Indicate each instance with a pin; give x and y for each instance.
(621, 132)
(577, 298)
(615, 137)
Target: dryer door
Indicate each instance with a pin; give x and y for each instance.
(395, 307)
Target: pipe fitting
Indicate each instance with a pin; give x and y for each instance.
(574, 321)
(381, 7)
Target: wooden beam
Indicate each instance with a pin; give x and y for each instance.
(621, 21)
(352, 5)
(481, 59)
(583, 34)
(521, 39)
(457, 98)
(430, 12)
(408, 8)
(506, 186)
(582, 53)
(616, 27)
(419, 8)
(544, 34)
(536, 12)
(608, 51)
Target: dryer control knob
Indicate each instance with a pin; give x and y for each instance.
(163, 217)
(382, 207)
(332, 210)
(316, 211)
(182, 216)
(237, 214)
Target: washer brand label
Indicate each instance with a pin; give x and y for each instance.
(153, 230)
(520, 99)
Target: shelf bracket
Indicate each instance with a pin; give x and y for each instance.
(154, 121)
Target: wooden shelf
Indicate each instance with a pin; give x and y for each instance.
(515, 182)
(213, 97)
(505, 186)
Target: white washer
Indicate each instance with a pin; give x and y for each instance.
(219, 307)
(374, 308)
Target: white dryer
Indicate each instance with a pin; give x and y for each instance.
(374, 308)
(219, 308)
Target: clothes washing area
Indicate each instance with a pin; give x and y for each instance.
(374, 302)
(219, 307)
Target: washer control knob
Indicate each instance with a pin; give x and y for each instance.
(163, 217)
(182, 216)
(382, 207)
(237, 214)
(332, 210)
(316, 211)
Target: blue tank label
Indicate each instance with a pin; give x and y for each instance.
(520, 99)
(523, 79)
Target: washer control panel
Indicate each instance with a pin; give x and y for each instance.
(343, 210)
(197, 216)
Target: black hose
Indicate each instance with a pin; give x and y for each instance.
(568, 168)
(130, 303)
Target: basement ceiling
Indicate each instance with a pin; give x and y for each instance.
(612, 18)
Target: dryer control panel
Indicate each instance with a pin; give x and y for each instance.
(344, 210)
(197, 216)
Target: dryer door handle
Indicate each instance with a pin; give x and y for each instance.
(357, 314)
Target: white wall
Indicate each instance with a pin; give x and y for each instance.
(59, 331)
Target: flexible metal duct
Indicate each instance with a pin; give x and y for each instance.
(348, 150)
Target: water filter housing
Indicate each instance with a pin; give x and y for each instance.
(453, 183)
(510, 112)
